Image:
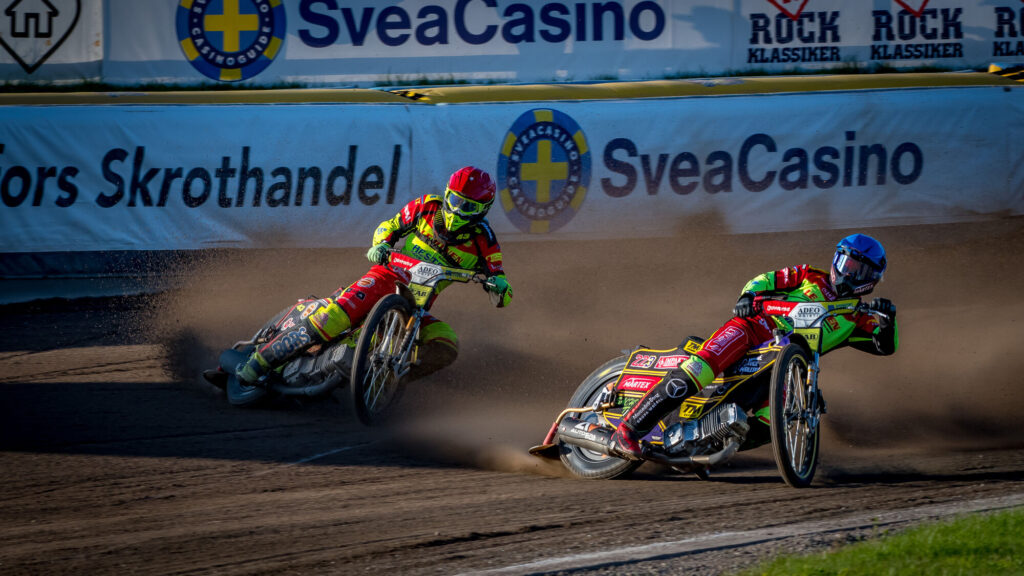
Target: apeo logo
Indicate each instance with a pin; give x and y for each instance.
(230, 40)
(543, 170)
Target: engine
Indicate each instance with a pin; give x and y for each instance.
(307, 370)
(708, 434)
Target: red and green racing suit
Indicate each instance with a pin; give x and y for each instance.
(473, 247)
(797, 284)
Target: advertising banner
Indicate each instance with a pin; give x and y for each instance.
(51, 40)
(758, 163)
(372, 42)
(187, 177)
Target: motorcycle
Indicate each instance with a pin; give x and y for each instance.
(714, 424)
(372, 358)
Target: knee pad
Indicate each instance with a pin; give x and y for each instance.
(439, 347)
(440, 334)
(327, 320)
(699, 370)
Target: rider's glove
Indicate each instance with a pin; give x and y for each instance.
(886, 307)
(378, 253)
(498, 285)
(744, 307)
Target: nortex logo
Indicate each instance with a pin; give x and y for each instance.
(637, 383)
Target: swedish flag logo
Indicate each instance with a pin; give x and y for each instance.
(543, 170)
(230, 40)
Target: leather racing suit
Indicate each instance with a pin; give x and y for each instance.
(797, 284)
(421, 223)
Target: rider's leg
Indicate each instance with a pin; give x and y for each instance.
(321, 321)
(668, 394)
(730, 342)
(358, 298)
(727, 345)
(439, 347)
(346, 307)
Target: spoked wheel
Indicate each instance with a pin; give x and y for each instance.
(376, 387)
(795, 417)
(583, 462)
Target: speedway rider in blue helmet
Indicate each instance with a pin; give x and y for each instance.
(858, 265)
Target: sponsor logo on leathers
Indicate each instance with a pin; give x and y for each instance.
(720, 342)
(672, 361)
(641, 383)
(676, 388)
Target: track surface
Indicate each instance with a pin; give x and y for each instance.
(116, 458)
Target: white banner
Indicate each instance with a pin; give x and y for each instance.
(368, 42)
(186, 177)
(757, 163)
(51, 40)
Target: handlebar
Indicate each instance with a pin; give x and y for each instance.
(812, 312)
(407, 263)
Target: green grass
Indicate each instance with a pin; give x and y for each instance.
(976, 545)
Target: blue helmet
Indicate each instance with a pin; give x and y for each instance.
(858, 265)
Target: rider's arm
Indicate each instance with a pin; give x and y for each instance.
(490, 259)
(782, 280)
(400, 224)
(872, 338)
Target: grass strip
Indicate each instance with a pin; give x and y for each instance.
(978, 544)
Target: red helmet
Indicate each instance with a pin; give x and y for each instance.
(467, 198)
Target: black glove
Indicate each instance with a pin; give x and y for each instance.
(886, 307)
(744, 307)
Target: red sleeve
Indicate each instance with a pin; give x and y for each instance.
(790, 278)
(489, 250)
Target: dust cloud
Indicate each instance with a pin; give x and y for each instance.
(952, 385)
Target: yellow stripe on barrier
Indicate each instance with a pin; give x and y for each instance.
(1015, 73)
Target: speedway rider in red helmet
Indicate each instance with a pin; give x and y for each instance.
(857, 267)
(449, 230)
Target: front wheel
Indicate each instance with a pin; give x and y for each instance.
(376, 386)
(794, 417)
(590, 464)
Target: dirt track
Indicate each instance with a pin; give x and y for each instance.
(110, 463)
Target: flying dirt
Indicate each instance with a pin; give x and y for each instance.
(118, 456)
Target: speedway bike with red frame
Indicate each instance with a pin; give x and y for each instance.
(372, 358)
(714, 424)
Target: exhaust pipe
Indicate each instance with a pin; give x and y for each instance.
(326, 385)
(598, 438)
(585, 434)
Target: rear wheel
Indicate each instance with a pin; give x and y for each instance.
(376, 388)
(586, 463)
(794, 417)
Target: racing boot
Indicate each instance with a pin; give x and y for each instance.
(438, 348)
(325, 323)
(666, 395)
